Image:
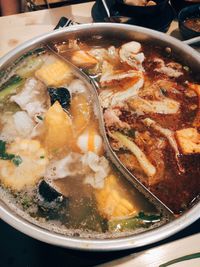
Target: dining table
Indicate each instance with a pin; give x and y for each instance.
(19, 250)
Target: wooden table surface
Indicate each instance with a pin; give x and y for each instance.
(16, 29)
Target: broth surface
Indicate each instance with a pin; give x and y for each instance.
(53, 167)
(53, 163)
(165, 107)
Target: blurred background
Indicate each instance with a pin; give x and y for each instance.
(18, 6)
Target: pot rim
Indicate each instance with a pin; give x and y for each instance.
(137, 240)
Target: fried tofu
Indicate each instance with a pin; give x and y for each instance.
(54, 74)
(196, 87)
(113, 201)
(189, 140)
(58, 129)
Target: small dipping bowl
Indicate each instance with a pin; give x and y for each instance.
(187, 30)
(132, 11)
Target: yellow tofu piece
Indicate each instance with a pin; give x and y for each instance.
(58, 130)
(83, 59)
(113, 201)
(54, 74)
(195, 87)
(81, 113)
(189, 140)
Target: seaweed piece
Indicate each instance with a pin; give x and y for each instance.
(52, 204)
(61, 94)
(47, 192)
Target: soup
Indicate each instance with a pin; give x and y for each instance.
(151, 113)
(53, 166)
(54, 169)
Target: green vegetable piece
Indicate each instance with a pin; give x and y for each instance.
(2, 147)
(125, 224)
(2, 73)
(10, 86)
(17, 160)
(149, 217)
(7, 156)
(30, 67)
(26, 202)
(3, 154)
(131, 223)
(184, 258)
(37, 51)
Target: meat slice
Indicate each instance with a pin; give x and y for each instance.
(170, 137)
(111, 118)
(131, 54)
(164, 106)
(171, 69)
(128, 85)
(144, 162)
(33, 98)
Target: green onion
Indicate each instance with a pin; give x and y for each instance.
(17, 160)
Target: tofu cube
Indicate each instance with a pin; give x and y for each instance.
(189, 140)
(54, 74)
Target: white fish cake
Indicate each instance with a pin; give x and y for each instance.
(29, 171)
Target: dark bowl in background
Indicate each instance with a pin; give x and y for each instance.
(188, 12)
(180, 4)
(160, 22)
(129, 10)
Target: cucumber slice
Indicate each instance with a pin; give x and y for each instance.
(30, 67)
(141, 220)
(10, 86)
(122, 225)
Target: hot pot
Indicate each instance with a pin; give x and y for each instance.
(187, 56)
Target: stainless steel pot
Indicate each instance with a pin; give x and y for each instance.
(187, 56)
